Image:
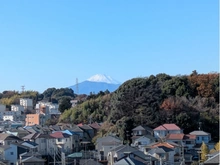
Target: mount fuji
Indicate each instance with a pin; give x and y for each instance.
(95, 84)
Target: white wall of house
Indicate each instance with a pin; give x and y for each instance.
(143, 141)
(17, 108)
(26, 102)
(8, 117)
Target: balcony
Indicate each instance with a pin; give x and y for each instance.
(60, 141)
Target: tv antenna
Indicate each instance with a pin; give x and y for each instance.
(22, 88)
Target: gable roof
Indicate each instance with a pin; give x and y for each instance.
(6, 136)
(212, 160)
(188, 136)
(160, 150)
(95, 126)
(59, 135)
(124, 148)
(166, 144)
(144, 136)
(167, 127)
(199, 133)
(178, 136)
(32, 159)
(128, 161)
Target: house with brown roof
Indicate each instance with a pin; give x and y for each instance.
(96, 127)
(162, 130)
(178, 154)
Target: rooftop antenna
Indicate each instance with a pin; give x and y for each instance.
(77, 86)
(200, 125)
(22, 88)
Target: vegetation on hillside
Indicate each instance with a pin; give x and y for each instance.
(190, 101)
(154, 100)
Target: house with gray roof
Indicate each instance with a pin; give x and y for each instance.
(214, 160)
(201, 136)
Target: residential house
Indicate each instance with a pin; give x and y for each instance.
(7, 139)
(32, 161)
(88, 132)
(201, 136)
(178, 150)
(214, 159)
(142, 130)
(164, 154)
(96, 127)
(186, 142)
(74, 102)
(105, 144)
(63, 141)
(75, 140)
(162, 130)
(8, 117)
(128, 161)
(118, 152)
(76, 129)
(42, 140)
(11, 152)
(141, 141)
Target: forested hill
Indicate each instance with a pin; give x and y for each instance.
(154, 100)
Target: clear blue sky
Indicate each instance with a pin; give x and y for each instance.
(50, 43)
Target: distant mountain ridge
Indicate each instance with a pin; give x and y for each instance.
(95, 84)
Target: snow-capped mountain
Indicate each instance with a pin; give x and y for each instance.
(95, 84)
(102, 78)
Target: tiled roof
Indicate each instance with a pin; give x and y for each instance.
(166, 144)
(160, 149)
(168, 127)
(175, 136)
(198, 133)
(193, 137)
(161, 128)
(5, 136)
(59, 135)
(85, 127)
(95, 126)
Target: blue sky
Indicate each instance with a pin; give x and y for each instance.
(51, 43)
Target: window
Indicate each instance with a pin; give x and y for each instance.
(12, 153)
(59, 140)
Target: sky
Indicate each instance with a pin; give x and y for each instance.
(50, 43)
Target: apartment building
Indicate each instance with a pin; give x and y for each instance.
(35, 119)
